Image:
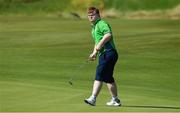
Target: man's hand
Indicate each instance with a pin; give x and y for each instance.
(92, 56)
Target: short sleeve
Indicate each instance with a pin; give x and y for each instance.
(105, 28)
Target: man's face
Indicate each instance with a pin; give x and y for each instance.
(93, 16)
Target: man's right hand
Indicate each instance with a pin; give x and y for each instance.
(92, 56)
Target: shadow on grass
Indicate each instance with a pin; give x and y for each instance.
(149, 106)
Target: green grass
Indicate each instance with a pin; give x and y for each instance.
(32, 8)
(39, 55)
(37, 7)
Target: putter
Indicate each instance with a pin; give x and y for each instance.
(79, 67)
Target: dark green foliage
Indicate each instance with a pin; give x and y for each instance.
(125, 5)
(51, 6)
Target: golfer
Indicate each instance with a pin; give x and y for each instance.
(105, 49)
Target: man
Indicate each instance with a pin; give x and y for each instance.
(104, 48)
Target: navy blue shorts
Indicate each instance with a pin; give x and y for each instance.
(105, 68)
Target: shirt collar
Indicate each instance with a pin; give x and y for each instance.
(97, 20)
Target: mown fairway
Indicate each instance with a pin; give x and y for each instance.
(39, 55)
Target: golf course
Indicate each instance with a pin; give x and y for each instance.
(38, 57)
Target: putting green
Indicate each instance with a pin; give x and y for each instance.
(38, 56)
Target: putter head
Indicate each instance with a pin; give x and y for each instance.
(70, 83)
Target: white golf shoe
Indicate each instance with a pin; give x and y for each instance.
(114, 102)
(90, 101)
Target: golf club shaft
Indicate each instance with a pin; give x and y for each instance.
(79, 67)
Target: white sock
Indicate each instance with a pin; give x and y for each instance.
(114, 97)
(93, 97)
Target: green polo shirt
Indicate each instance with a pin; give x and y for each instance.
(99, 29)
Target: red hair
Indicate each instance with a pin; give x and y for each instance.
(93, 10)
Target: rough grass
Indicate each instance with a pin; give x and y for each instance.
(57, 7)
(134, 5)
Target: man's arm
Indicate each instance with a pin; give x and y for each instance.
(105, 39)
(98, 47)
